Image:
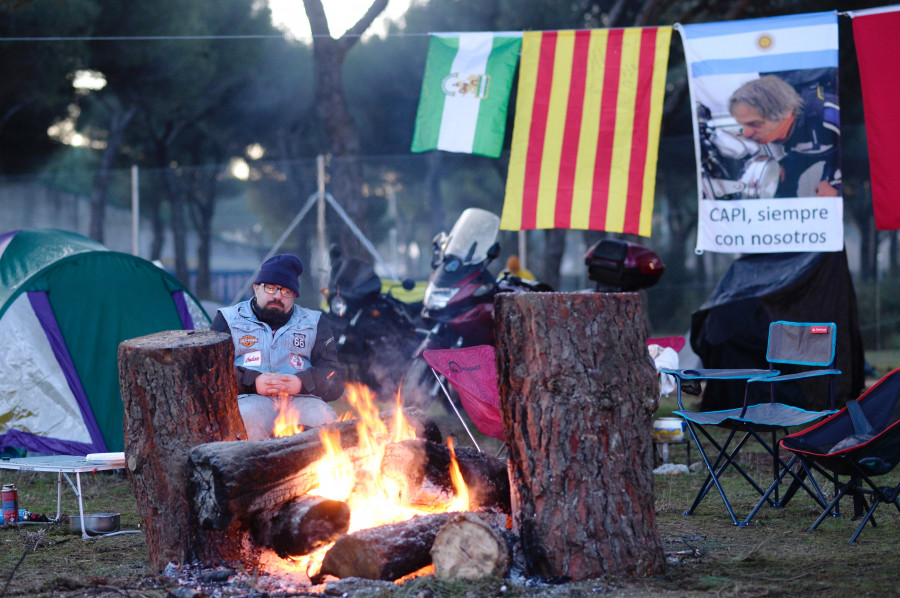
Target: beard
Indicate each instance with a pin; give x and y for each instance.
(274, 316)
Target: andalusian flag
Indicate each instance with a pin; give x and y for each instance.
(465, 92)
(586, 131)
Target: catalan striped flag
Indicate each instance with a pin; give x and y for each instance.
(586, 130)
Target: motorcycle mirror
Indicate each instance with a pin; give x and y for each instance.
(408, 284)
(493, 251)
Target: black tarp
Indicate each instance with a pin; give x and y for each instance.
(730, 330)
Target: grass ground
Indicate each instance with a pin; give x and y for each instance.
(706, 554)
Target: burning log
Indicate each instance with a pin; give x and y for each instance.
(301, 525)
(420, 471)
(178, 391)
(233, 480)
(577, 391)
(467, 547)
(388, 552)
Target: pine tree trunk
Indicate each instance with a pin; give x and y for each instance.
(179, 390)
(578, 390)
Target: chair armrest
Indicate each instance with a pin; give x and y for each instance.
(719, 374)
(796, 376)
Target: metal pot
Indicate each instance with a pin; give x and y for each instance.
(96, 523)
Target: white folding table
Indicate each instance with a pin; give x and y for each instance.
(63, 465)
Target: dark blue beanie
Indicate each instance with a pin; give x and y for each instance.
(283, 269)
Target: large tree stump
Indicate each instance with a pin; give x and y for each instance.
(179, 390)
(577, 391)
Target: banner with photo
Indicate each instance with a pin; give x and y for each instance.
(766, 133)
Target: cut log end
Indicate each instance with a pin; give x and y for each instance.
(301, 525)
(469, 548)
(388, 552)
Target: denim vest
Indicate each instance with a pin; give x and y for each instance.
(255, 347)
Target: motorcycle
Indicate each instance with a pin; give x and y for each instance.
(375, 334)
(733, 166)
(458, 306)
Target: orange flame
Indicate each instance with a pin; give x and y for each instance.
(286, 422)
(461, 502)
(354, 475)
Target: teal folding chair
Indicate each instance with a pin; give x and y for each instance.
(808, 347)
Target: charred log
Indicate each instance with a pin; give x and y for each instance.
(420, 471)
(577, 391)
(301, 525)
(388, 552)
(468, 547)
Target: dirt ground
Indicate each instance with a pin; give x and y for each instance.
(706, 554)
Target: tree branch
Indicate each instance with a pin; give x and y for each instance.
(352, 35)
(318, 22)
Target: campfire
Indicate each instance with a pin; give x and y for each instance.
(362, 497)
(359, 480)
(578, 467)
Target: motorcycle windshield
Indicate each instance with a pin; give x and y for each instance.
(472, 235)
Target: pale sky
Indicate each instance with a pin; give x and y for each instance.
(342, 14)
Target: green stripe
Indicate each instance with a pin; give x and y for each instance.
(501, 68)
(441, 52)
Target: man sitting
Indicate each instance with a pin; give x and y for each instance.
(284, 354)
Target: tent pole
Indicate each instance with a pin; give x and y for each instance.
(321, 260)
(359, 235)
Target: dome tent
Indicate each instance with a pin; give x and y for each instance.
(66, 302)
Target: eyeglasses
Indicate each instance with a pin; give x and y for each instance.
(271, 289)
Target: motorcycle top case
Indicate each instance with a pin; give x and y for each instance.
(624, 265)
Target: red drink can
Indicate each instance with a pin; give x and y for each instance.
(9, 497)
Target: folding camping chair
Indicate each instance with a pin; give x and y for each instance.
(804, 344)
(861, 441)
(472, 371)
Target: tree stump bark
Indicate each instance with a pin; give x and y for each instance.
(577, 391)
(179, 390)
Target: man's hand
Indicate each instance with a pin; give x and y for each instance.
(274, 385)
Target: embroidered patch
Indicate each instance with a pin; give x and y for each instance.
(296, 361)
(253, 358)
(248, 340)
(299, 340)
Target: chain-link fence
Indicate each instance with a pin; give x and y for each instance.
(212, 225)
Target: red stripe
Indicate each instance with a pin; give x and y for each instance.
(562, 217)
(639, 139)
(878, 53)
(606, 134)
(537, 133)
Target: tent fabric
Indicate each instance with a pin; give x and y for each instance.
(730, 330)
(66, 302)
